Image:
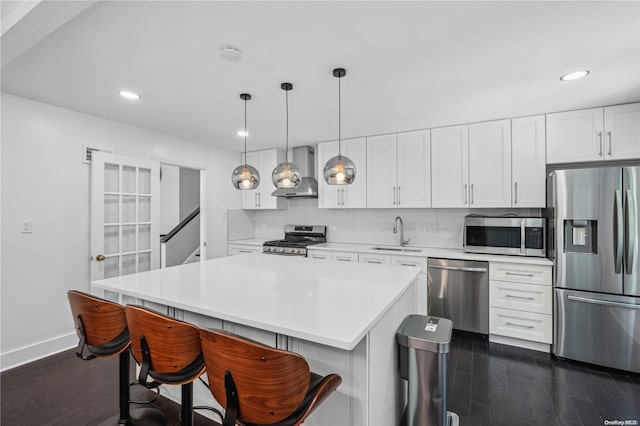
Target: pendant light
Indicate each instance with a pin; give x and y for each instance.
(286, 174)
(245, 176)
(339, 170)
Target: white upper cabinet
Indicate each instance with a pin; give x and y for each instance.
(343, 196)
(450, 166)
(414, 169)
(622, 131)
(575, 136)
(398, 170)
(610, 133)
(490, 164)
(261, 198)
(528, 161)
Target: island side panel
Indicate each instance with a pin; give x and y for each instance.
(386, 388)
(348, 404)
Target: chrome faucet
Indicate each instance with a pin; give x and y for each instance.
(403, 242)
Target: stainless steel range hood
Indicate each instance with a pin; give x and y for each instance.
(304, 158)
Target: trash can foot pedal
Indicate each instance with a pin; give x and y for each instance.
(452, 419)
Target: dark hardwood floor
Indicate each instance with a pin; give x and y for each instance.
(492, 384)
(489, 384)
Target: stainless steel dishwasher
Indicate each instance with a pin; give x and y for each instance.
(459, 290)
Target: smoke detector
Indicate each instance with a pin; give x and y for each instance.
(231, 53)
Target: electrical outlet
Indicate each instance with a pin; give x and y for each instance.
(26, 226)
(420, 230)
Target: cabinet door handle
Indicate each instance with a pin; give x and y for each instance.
(255, 199)
(519, 325)
(394, 195)
(600, 136)
(519, 297)
(515, 191)
(609, 134)
(471, 193)
(519, 274)
(465, 193)
(398, 195)
(342, 196)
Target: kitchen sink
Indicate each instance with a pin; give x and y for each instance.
(406, 250)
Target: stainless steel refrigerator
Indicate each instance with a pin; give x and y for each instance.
(593, 220)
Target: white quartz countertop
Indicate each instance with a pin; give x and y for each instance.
(291, 295)
(431, 252)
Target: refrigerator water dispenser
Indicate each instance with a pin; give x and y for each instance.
(581, 236)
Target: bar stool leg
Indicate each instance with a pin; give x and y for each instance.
(124, 366)
(187, 404)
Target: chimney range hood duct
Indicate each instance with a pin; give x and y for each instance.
(304, 158)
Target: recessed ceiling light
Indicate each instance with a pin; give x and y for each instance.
(575, 75)
(231, 53)
(129, 95)
(243, 133)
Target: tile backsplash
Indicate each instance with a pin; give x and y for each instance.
(424, 227)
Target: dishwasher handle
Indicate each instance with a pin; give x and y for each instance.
(458, 268)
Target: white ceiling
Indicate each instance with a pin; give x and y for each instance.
(410, 65)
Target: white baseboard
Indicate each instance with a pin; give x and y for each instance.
(27, 354)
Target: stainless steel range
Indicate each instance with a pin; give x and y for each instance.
(296, 240)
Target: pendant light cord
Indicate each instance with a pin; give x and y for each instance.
(286, 152)
(339, 119)
(245, 133)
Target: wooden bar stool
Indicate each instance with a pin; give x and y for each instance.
(168, 351)
(101, 326)
(261, 385)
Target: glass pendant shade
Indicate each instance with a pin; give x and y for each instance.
(286, 175)
(245, 176)
(339, 170)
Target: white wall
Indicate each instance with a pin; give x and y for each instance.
(44, 179)
(442, 227)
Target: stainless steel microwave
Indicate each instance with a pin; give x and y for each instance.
(518, 236)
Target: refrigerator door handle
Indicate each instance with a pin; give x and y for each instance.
(631, 226)
(618, 236)
(602, 302)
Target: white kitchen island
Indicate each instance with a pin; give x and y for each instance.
(342, 317)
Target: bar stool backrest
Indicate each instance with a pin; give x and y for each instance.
(271, 383)
(103, 322)
(174, 345)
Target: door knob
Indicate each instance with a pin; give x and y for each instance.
(100, 257)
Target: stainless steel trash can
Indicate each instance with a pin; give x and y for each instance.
(423, 342)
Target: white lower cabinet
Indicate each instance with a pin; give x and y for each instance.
(380, 259)
(319, 254)
(521, 305)
(421, 284)
(344, 256)
(234, 249)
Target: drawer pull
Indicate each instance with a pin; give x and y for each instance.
(520, 297)
(374, 261)
(520, 325)
(408, 264)
(344, 259)
(244, 251)
(519, 274)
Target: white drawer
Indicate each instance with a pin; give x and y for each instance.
(528, 274)
(233, 249)
(319, 254)
(521, 297)
(344, 256)
(382, 259)
(419, 262)
(521, 325)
